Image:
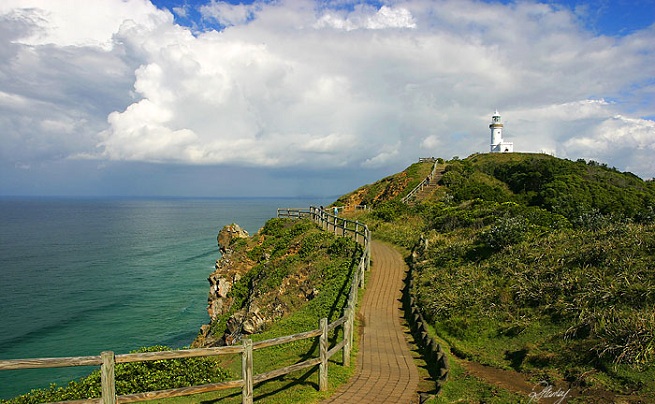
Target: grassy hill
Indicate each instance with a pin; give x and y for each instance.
(535, 264)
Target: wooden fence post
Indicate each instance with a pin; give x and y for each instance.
(352, 325)
(368, 251)
(323, 347)
(347, 330)
(247, 372)
(107, 378)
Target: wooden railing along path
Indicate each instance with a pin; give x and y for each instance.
(107, 360)
(414, 192)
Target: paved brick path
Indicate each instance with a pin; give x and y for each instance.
(385, 371)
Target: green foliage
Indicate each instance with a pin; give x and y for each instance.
(341, 247)
(296, 249)
(570, 299)
(506, 231)
(314, 242)
(568, 188)
(465, 183)
(166, 374)
(389, 211)
(136, 377)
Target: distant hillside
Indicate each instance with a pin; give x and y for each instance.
(391, 188)
(569, 188)
(560, 186)
(535, 264)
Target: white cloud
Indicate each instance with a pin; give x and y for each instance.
(298, 84)
(181, 11)
(368, 17)
(386, 156)
(625, 142)
(228, 14)
(76, 23)
(431, 142)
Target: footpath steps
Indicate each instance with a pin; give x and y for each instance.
(427, 190)
(385, 372)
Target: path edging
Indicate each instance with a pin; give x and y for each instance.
(434, 356)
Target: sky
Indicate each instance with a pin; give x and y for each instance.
(311, 97)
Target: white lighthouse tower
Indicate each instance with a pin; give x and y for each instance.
(497, 143)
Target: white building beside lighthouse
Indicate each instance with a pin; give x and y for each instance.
(497, 143)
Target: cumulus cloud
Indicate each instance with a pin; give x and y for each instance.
(305, 84)
(60, 76)
(75, 23)
(228, 14)
(625, 142)
(368, 17)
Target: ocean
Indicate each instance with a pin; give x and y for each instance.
(82, 276)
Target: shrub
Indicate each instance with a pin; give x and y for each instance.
(506, 231)
(389, 211)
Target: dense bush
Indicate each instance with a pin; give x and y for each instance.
(466, 183)
(389, 211)
(565, 187)
(505, 231)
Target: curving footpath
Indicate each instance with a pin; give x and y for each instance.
(385, 372)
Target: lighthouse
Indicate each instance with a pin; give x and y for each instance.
(497, 143)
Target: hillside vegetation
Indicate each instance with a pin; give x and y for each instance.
(536, 264)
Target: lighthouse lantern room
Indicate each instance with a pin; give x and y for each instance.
(497, 143)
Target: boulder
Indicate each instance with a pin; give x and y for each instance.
(227, 235)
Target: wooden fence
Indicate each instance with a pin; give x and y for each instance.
(107, 360)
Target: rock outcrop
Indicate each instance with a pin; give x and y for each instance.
(259, 303)
(227, 235)
(227, 271)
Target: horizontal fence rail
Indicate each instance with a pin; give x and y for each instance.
(107, 360)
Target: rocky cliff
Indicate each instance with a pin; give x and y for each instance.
(227, 271)
(261, 278)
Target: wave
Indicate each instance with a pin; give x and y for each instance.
(201, 255)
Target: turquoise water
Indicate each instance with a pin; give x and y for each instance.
(78, 277)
